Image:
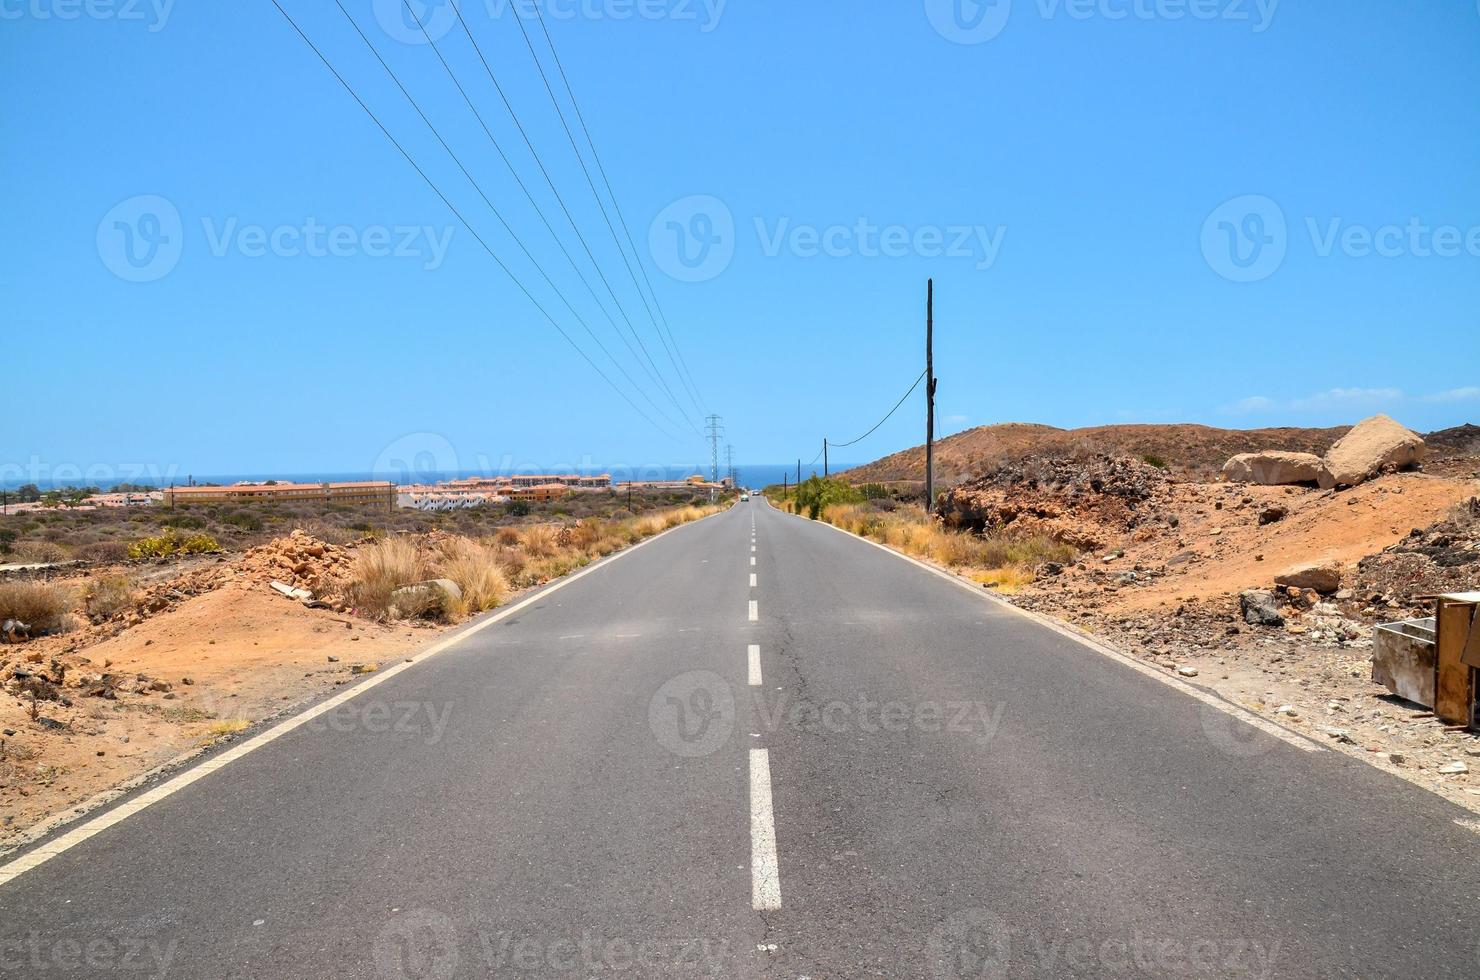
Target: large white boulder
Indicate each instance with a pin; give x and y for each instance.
(1367, 449)
(1273, 468)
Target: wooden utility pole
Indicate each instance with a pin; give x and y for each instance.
(930, 396)
(824, 458)
(799, 471)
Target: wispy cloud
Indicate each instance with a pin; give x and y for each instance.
(1333, 399)
(1250, 405)
(1467, 394)
(1343, 397)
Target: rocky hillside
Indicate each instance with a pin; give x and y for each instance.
(1462, 440)
(1186, 450)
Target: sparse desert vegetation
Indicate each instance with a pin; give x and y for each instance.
(133, 662)
(999, 561)
(42, 606)
(115, 534)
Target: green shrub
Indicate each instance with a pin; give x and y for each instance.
(244, 519)
(816, 494)
(171, 543)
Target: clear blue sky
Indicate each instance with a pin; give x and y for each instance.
(1090, 146)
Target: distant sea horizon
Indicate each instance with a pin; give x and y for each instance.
(749, 474)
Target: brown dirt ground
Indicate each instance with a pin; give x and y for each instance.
(1312, 675)
(1232, 552)
(249, 652)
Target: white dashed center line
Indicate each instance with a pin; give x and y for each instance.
(752, 580)
(765, 876)
(755, 665)
(755, 611)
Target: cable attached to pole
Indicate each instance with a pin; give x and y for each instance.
(844, 445)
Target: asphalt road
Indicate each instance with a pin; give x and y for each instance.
(870, 772)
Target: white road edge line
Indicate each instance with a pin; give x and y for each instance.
(765, 875)
(1197, 694)
(755, 664)
(755, 611)
(90, 828)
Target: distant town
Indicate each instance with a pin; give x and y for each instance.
(458, 494)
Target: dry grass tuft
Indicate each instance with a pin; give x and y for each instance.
(107, 596)
(1009, 560)
(380, 569)
(40, 605)
(486, 571)
(540, 541)
(475, 569)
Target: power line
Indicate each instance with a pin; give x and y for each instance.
(458, 214)
(844, 445)
(616, 206)
(496, 213)
(513, 172)
(651, 366)
(601, 205)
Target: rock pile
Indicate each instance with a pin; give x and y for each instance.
(1084, 501)
(1444, 557)
(299, 560)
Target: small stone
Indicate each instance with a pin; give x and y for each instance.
(1453, 768)
(1187, 671)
